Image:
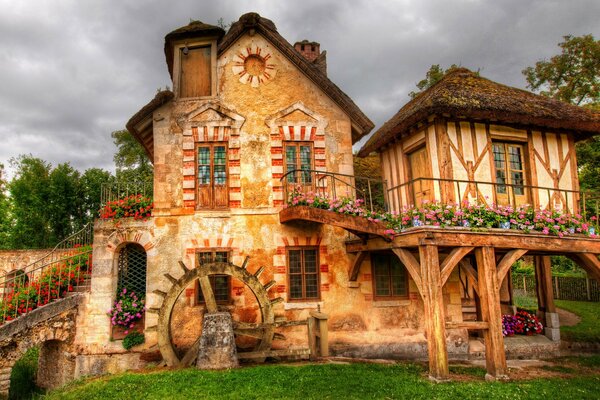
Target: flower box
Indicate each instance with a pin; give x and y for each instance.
(119, 332)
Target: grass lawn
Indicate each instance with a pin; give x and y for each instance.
(325, 381)
(588, 330)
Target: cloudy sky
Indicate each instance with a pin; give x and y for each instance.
(71, 72)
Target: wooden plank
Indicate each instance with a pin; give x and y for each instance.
(507, 261)
(348, 222)
(452, 260)
(474, 325)
(412, 265)
(183, 266)
(444, 160)
(273, 353)
(195, 80)
(489, 299)
(209, 296)
(434, 312)
(354, 270)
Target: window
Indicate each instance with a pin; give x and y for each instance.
(303, 267)
(195, 76)
(390, 278)
(510, 170)
(132, 269)
(212, 175)
(299, 156)
(221, 284)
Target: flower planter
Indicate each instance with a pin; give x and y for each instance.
(118, 331)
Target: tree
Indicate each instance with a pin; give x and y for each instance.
(65, 212)
(131, 160)
(433, 76)
(572, 76)
(4, 212)
(91, 185)
(29, 198)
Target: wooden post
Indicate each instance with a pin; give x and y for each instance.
(588, 289)
(543, 287)
(321, 332)
(435, 321)
(312, 338)
(489, 297)
(556, 287)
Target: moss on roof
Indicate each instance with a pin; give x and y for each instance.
(463, 93)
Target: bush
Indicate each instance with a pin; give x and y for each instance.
(23, 376)
(133, 339)
(523, 323)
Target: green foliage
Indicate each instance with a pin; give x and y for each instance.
(433, 76)
(562, 266)
(322, 381)
(29, 192)
(91, 183)
(588, 162)
(131, 160)
(522, 267)
(5, 216)
(572, 76)
(23, 376)
(588, 330)
(64, 205)
(133, 339)
(370, 167)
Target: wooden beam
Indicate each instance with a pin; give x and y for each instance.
(434, 312)
(471, 274)
(452, 260)
(475, 325)
(489, 298)
(590, 263)
(360, 257)
(543, 286)
(412, 265)
(507, 261)
(209, 296)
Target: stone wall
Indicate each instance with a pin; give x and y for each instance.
(18, 259)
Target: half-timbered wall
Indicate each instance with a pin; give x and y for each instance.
(461, 150)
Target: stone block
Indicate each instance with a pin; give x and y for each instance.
(552, 320)
(552, 334)
(217, 343)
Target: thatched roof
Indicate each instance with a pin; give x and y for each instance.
(140, 125)
(464, 94)
(362, 125)
(192, 30)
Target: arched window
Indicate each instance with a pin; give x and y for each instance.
(132, 269)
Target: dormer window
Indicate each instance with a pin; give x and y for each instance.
(197, 73)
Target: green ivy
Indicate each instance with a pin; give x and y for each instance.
(133, 339)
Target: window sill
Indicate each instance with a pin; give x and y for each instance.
(222, 213)
(390, 303)
(303, 305)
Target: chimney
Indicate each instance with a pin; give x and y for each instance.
(312, 52)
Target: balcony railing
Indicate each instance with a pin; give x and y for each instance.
(335, 186)
(416, 191)
(117, 190)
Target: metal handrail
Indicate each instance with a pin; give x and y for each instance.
(77, 247)
(319, 182)
(117, 190)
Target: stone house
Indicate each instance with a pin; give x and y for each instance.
(250, 120)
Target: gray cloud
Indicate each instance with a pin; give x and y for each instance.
(71, 71)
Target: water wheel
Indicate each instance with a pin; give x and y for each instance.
(262, 331)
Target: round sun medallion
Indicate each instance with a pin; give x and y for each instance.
(253, 67)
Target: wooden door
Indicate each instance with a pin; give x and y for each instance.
(510, 170)
(422, 189)
(195, 73)
(212, 176)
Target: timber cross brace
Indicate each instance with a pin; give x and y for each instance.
(431, 255)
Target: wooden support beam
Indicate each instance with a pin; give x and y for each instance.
(412, 266)
(590, 263)
(471, 274)
(489, 298)
(434, 312)
(543, 286)
(457, 254)
(507, 261)
(474, 325)
(209, 296)
(360, 257)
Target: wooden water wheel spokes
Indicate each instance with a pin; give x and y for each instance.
(263, 331)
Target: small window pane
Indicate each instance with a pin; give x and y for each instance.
(311, 286)
(296, 286)
(220, 175)
(295, 265)
(310, 261)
